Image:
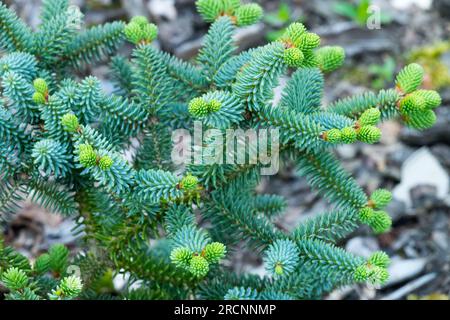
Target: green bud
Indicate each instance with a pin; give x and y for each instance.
(348, 135)
(412, 103)
(379, 259)
(333, 136)
(293, 33)
(189, 182)
(330, 58)
(198, 107)
(15, 279)
(40, 85)
(410, 78)
(293, 57)
(374, 274)
(69, 287)
(369, 134)
(361, 274)
(69, 122)
(310, 60)
(214, 252)
(230, 6)
(248, 14)
(378, 275)
(85, 148)
(149, 32)
(370, 117)
(214, 106)
(421, 120)
(308, 41)
(87, 156)
(366, 214)
(210, 9)
(381, 222)
(105, 163)
(199, 267)
(181, 257)
(39, 98)
(133, 33)
(279, 269)
(381, 198)
(140, 21)
(431, 97)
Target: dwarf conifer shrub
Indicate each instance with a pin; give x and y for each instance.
(107, 159)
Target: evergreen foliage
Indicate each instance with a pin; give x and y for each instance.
(48, 278)
(63, 143)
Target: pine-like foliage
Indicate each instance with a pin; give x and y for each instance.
(48, 278)
(60, 44)
(171, 226)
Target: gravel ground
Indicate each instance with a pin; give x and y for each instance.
(415, 165)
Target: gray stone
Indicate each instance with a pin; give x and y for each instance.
(185, 2)
(424, 197)
(135, 7)
(394, 161)
(442, 7)
(162, 9)
(410, 4)
(250, 36)
(396, 209)
(441, 239)
(347, 151)
(421, 168)
(404, 269)
(406, 241)
(173, 34)
(357, 41)
(61, 233)
(100, 16)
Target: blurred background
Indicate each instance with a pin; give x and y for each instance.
(415, 165)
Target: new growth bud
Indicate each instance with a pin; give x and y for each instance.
(139, 30)
(70, 122)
